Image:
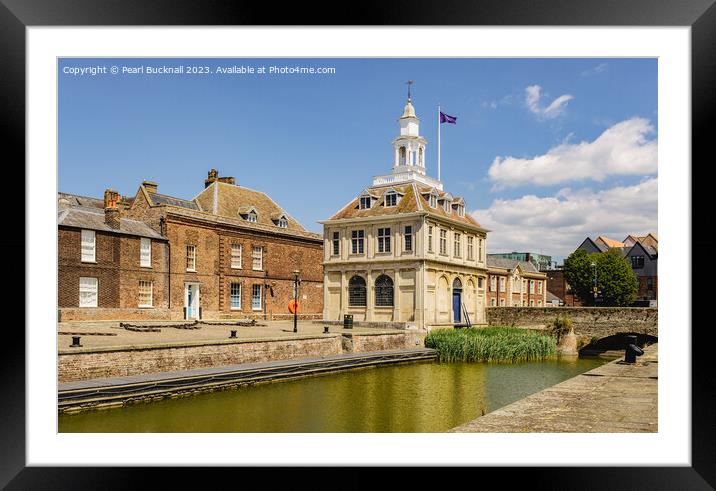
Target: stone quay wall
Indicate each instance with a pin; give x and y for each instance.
(588, 322)
(92, 363)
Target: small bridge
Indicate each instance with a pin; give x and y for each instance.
(601, 327)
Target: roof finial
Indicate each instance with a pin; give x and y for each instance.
(409, 83)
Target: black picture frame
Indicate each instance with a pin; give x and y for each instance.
(700, 15)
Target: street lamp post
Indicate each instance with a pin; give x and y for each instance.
(296, 282)
(594, 268)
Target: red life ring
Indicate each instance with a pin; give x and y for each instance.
(293, 306)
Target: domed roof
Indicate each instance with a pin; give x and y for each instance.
(409, 111)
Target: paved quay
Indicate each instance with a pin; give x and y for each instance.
(613, 398)
(108, 334)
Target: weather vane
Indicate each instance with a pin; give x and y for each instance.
(409, 83)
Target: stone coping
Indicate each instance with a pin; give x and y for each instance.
(189, 344)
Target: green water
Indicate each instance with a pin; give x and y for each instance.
(418, 397)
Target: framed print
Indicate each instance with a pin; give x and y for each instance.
(220, 197)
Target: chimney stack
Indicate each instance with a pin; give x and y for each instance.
(213, 176)
(150, 186)
(111, 210)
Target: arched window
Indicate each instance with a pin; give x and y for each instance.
(401, 153)
(383, 291)
(457, 284)
(420, 156)
(356, 292)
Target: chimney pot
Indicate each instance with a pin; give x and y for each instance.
(111, 210)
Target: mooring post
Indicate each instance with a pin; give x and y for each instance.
(631, 350)
(325, 329)
(233, 334)
(75, 342)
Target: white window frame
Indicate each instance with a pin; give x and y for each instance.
(443, 242)
(493, 283)
(503, 283)
(151, 294)
(257, 254)
(89, 287)
(408, 238)
(252, 216)
(232, 296)
(457, 244)
(393, 196)
(88, 246)
(470, 248)
(237, 251)
(364, 203)
(502, 302)
(493, 302)
(191, 248)
(336, 243)
(433, 201)
(539, 287)
(145, 252)
(283, 222)
(358, 241)
(383, 238)
(532, 286)
(254, 289)
(430, 238)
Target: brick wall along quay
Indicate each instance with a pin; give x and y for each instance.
(85, 364)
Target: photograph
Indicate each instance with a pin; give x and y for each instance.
(357, 244)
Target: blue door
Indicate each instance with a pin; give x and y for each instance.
(457, 300)
(456, 305)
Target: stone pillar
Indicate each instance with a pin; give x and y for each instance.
(370, 296)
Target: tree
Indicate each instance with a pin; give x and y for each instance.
(616, 282)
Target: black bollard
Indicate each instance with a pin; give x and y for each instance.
(325, 329)
(233, 334)
(631, 350)
(75, 342)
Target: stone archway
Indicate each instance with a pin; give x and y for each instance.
(457, 315)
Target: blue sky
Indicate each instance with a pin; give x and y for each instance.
(545, 151)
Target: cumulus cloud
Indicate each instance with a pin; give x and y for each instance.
(623, 149)
(557, 224)
(532, 99)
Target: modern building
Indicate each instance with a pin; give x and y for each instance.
(539, 260)
(513, 283)
(229, 252)
(642, 252)
(404, 250)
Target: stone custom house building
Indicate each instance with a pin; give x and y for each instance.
(404, 250)
(230, 252)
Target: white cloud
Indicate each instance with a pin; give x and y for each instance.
(597, 69)
(556, 108)
(622, 149)
(556, 225)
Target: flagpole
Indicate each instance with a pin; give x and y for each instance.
(439, 142)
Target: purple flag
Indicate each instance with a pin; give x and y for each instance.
(444, 118)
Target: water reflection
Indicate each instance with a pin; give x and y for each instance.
(421, 397)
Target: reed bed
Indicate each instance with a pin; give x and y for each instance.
(492, 344)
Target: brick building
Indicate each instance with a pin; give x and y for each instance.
(513, 283)
(108, 265)
(231, 252)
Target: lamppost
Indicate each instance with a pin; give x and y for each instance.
(296, 282)
(594, 268)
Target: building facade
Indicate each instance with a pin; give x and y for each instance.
(539, 260)
(513, 283)
(231, 252)
(108, 265)
(404, 250)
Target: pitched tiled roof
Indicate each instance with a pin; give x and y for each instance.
(610, 242)
(163, 199)
(65, 200)
(413, 200)
(230, 200)
(82, 217)
(551, 297)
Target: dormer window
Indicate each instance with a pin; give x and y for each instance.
(446, 205)
(252, 216)
(460, 210)
(365, 202)
(282, 222)
(433, 200)
(391, 199)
